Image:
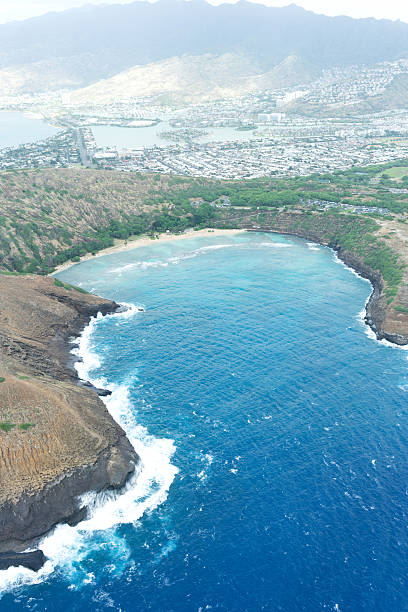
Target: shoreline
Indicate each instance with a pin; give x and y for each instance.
(375, 309)
(37, 498)
(144, 240)
(85, 319)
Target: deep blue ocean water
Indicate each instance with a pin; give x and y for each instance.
(273, 432)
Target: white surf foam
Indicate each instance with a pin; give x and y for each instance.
(176, 259)
(145, 491)
(214, 247)
(277, 245)
(339, 261)
(141, 265)
(372, 335)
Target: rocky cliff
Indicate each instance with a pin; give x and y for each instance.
(57, 439)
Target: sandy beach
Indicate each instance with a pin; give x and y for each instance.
(129, 244)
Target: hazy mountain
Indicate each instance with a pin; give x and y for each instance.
(49, 74)
(196, 78)
(81, 46)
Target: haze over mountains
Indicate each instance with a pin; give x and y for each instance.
(192, 78)
(172, 46)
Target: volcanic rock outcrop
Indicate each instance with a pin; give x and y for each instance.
(57, 439)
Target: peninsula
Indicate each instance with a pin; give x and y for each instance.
(57, 439)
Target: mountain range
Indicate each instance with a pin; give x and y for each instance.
(233, 45)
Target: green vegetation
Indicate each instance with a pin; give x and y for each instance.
(26, 426)
(401, 309)
(67, 286)
(397, 173)
(6, 426)
(2, 379)
(23, 377)
(368, 186)
(59, 283)
(50, 217)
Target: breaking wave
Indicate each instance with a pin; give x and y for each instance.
(144, 265)
(67, 545)
(370, 333)
(277, 245)
(341, 262)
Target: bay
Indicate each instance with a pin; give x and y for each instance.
(272, 429)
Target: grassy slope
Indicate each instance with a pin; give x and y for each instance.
(51, 216)
(397, 173)
(46, 212)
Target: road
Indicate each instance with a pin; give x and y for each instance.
(85, 159)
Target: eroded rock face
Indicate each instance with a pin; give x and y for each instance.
(57, 439)
(34, 560)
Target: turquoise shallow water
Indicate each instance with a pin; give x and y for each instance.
(272, 429)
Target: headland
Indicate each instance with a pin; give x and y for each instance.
(57, 439)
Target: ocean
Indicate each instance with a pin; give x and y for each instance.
(273, 433)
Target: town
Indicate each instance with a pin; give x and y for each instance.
(262, 134)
